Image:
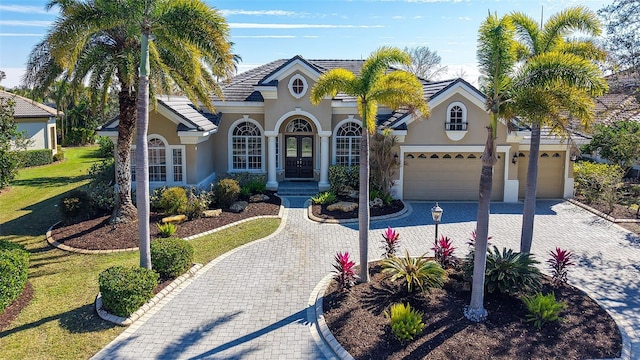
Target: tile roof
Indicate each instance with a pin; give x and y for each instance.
(27, 108)
(199, 120)
(617, 106)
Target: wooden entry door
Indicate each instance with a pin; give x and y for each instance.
(298, 156)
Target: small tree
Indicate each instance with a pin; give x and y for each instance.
(619, 143)
(382, 163)
(8, 131)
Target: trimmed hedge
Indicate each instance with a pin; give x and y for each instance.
(125, 289)
(171, 257)
(14, 269)
(31, 158)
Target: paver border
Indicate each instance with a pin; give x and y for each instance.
(406, 210)
(601, 214)
(332, 349)
(64, 247)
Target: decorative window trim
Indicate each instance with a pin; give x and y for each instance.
(233, 126)
(334, 144)
(305, 86)
(452, 133)
(168, 162)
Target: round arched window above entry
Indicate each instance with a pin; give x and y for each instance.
(298, 86)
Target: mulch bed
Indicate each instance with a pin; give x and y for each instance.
(11, 311)
(98, 234)
(322, 212)
(356, 318)
(619, 212)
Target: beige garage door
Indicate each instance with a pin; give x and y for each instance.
(448, 176)
(550, 174)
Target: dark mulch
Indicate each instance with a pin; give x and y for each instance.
(98, 234)
(356, 318)
(322, 212)
(11, 311)
(619, 212)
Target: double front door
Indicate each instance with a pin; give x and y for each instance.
(298, 162)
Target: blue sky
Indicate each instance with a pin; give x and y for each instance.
(329, 29)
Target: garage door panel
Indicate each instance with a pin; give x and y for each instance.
(550, 174)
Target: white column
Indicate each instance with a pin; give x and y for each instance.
(323, 185)
(272, 183)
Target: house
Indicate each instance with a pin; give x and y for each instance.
(267, 125)
(37, 121)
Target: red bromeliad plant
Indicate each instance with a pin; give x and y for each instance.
(443, 250)
(559, 262)
(472, 240)
(391, 241)
(345, 271)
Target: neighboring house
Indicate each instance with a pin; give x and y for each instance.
(37, 121)
(266, 125)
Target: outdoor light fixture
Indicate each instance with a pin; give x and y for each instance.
(395, 157)
(436, 215)
(514, 158)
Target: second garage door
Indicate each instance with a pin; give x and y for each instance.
(448, 176)
(550, 174)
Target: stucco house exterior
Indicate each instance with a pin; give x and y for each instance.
(267, 125)
(36, 120)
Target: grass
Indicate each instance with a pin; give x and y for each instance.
(60, 322)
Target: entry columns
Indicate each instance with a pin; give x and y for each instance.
(272, 182)
(323, 185)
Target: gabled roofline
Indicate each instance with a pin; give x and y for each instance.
(311, 70)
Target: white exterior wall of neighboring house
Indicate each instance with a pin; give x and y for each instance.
(39, 134)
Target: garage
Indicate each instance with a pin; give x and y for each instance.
(447, 176)
(550, 174)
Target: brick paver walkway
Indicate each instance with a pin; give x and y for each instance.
(252, 302)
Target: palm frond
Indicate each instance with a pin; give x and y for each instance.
(332, 82)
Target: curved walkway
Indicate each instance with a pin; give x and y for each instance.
(251, 303)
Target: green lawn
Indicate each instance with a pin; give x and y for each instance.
(60, 322)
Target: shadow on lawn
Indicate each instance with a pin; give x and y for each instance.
(45, 182)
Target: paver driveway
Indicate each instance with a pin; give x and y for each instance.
(252, 302)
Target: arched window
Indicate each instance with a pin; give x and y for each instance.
(298, 125)
(456, 117)
(157, 160)
(348, 144)
(246, 143)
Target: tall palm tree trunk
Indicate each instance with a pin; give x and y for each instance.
(142, 155)
(363, 206)
(529, 212)
(124, 211)
(476, 311)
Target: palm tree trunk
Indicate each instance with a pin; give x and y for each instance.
(363, 207)
(124, 211)
(476, 311)
(142, 155)
(529, 212)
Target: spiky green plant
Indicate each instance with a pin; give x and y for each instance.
(405, 322)
(510, 272)
(417, 272)
(167, 229)
(542, 308)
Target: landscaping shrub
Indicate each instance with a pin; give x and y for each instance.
(14, 268)
(405, 322)
(31, 158)
(559, 262)
(443, 251)
(382, 162)
(254, 186)
(385, 197)
(173, 200)
(390, 243)
(171, 257)
(417, 272)
(342, 177)
(197, 202)
(167, 229)
(226, 192)
(324, 198)
(106, 147)
(155, 196)
(597, 182)
(59, 156)
(76, 205)
(510, 272)
(125, 289)
(542, 308)
(79, 136)
(100, 188)
(344, 267)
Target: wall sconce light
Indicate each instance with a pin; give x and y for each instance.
(573, 157)
(395, 157)
(514, 158)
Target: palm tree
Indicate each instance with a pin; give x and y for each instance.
(374, 86)
(497, 56)
(569, 60)
(99, 41)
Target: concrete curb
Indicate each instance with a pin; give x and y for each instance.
(601, 214)
(121, 321)
(406, 210)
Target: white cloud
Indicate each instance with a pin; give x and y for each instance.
(26, 9)
(20, 34)
(35, 23)
(262, 12)
(298, 26)
(466, 18)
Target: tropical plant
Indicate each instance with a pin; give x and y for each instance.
(324, 198)
(383, 164)
(472, 240)
(167, 229)
(416, 272)
(443, 250)
(374, 86)
(542, 309)
(510, 272)
(344, 267)
(496, 57)
(559, 262)
(391, 242)
(405, 322)
(342, 177)
(555, 84)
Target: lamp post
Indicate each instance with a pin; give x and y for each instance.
(436, 214)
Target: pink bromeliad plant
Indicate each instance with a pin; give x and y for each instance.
(391, 242)
(443, 251)
(559, 262)
(472, 240)
(345, 271)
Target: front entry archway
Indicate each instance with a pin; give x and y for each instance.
(298, 156)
